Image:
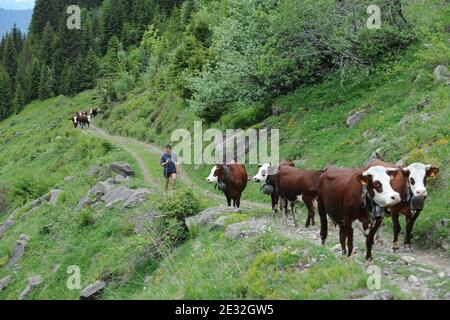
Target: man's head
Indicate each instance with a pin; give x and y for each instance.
(168, 149)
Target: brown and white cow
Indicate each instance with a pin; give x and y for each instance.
(93, 113)
(411, 185)
(267, 176)
(231, 179)
(83, 119)
(351, 195)
(293, 182)
(74, 119)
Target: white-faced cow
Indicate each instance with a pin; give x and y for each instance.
(267, 176)
(74, 119)
(292, 183)
(231, 179)
(352, 195)
(411, 185)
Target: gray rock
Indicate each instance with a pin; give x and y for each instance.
(379, 153)
(33, 282)
(120, 178)
(119, 194)
(29, 212)
(354, 118)
(441, 275)
(37, 202)
(380, 295)
(137, 198)
(425, 117)
(246, 229)
(92, 291)
(69, 179)
(219, 224)
(104, 187)
(142, 222)
(414, 280)
(18, 252)
(401, 162)
(359, 293)
(18, 134)
(427, 271)
(404, 122)
(441, 74)
(209, 215)
(423, 104)
(367, 133)
(408, 259)
(54, 195)
(122, 168)
(94, 170)
(92, 196)
(56, 268)
(276, 110)
(5, 226)
(4, 282)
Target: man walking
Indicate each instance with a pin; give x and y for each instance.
(170, 164)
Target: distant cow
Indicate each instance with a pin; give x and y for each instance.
(293, 182)
(411, 185)
(231, 180)
(351, 195)
(267, 175)
(83, 119)
(93, 112)
(74, 119)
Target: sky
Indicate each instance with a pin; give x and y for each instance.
(17, 4)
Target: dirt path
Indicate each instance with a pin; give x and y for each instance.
(430, 269)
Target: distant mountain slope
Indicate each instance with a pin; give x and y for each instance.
(17, 5)
(21, 18)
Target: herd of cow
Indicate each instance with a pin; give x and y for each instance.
(83, 118)
(349, 197)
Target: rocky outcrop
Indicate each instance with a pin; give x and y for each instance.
(33, 282)
(138, 197)
(122, 168)
(92, 291)
(116, 195)
(4, 282)
(380, 295)
(5, 226)
(142, 222)
(441, 74)
(54, 195)
(19, 250)
(246, 229)
(354, 118)
(209, 215)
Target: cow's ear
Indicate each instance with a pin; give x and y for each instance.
(406, 172)
(364, 179)
(392, 172)
(432, 171)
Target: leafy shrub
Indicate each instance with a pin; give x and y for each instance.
(180, 204)
(29, 188)
(3, 199)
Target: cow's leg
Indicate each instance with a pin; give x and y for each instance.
(238, 201)
(371, 236)
(309, 205)
(396, 228)
(409, 228)
(342, 237)
(274, 204)
(293, 213)
(228, 201)
(323, 222)
(285, 215)
(349, 233)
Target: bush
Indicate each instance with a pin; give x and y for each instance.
(180, 205)
(29, 188)
(86, 218)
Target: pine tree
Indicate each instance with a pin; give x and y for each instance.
(33, 81)
(46, 45)
(9, 59)
(19, 98)
(46, 83)
(89, 71)
(5, 94)
(112, 60)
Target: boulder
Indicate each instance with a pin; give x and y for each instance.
(5, 226)
(93, 195)
(209, 215)
(119, 194)
(94, 170)
(122, 168)
(354, 118)
(414, 280)
(367, 133)
(33, 282)
(54, 195)
(4, 282)
(277, 110)
(359, 293)
(19, 250)
(92, 291)
(408, 259)
(425, 117)
(137, 198)
(441, 74)
(219, 224)
(142, 222)
(69, 179)
(380, 295)
(104, 187)
(246, 229)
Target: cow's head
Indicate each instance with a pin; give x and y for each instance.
(75, 120)
(378, 182)
(263, 173)
(212, 178)
(417, 174)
